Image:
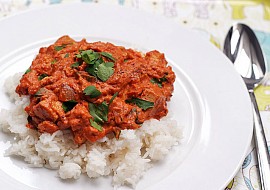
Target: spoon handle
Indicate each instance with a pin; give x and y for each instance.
(261, 146)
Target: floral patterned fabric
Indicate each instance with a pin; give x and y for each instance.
(212, 19)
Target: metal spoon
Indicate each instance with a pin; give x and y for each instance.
(243, 49)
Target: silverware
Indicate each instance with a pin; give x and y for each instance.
(243, 49)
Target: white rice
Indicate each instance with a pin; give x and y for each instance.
(126, 159)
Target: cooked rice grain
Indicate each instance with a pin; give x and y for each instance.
(126, 158)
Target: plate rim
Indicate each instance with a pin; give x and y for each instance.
(59, 6)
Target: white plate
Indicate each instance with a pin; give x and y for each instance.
(210, 99)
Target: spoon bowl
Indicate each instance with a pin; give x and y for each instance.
(243, 49)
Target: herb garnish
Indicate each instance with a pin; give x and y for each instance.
(99, 112)
(159, 81)
(96, 125)
(89, 56)
(58, 48)
(67, 55)
(40, 92)
(42, 76)
(91, 91)
(144, 104)
(69, 105)
(96, 65)
(113, 97)
(104, 71)
(27, 71)
(107, 55)
(53, 61)
(76, 64)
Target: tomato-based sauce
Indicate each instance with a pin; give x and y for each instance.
(95, 89)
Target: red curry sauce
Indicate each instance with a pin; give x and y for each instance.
(95, 88)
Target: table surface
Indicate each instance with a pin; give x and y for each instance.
(212, 19)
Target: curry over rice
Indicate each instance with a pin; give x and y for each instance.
(95, 89)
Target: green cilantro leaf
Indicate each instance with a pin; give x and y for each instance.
(107, 55)
(89, 56)
(91, 69)
(159, 81)
(78, 55)
(53, 61)
(99, 112)
(42, 76)
(96, 125)
(91, 91)
(76, 64)
(144, 104)
(109, 64)
(69, 105)
(96, 65)
(113, 97)
(58, 48)
(27, 71)
(67, 55)
(104, 72)
(40, 92)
